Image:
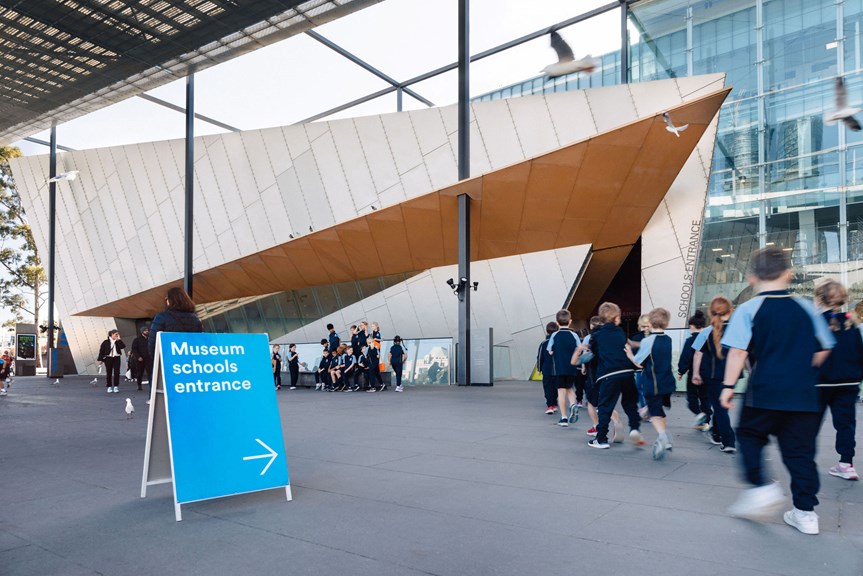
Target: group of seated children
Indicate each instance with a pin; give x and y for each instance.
(357, 366)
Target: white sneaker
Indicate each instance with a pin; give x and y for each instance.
(3, 392)
(636, 437)
(758, 503)
(700, 419)
(293, 388)
(116, 389)
(806, 522)
(108, 390)
(400, 389)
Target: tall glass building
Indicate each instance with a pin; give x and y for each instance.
(781, 175)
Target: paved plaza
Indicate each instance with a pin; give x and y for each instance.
(442, 481)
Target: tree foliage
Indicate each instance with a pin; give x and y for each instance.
(23, 285)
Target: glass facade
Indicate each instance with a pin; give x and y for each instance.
(278, 314)
(781, 175)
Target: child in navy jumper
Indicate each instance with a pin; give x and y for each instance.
(588, 366)
(561, 347)
(544, 367)
(697, 399)
(785, 340)
(657, 378)
(840, 376)
(614, 375)
(708, 367)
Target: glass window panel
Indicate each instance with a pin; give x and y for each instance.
(326, 297)
(797, 36)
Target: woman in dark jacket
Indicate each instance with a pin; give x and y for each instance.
(178, 316)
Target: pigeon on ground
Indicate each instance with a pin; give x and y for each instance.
(669, 125)
(843, 113)
(70, 175)
(130, 410)
(566, 62)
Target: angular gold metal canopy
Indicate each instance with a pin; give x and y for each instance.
(601, 191)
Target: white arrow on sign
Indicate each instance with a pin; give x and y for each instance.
(272, 456)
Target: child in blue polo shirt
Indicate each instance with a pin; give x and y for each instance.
(785, 340)
(613, 376)
(839, 380)
(697, 399)
(657, 378)
(708, 368)
(544, 367)
(561, 347)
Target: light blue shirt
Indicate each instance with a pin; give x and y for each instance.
(645, 347)
(698, 344)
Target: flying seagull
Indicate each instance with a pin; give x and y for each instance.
(669, 125)
(843, 112)
(70, 175)
(130, 410)
(566, 62)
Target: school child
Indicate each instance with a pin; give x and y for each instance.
(785, 340)
(697, 399)
(361, 372)
(322, 375)
(376, 382)
(544, 367)
(293, 365)
(840, 376)
(355, 339)
(614, 376)
(325, 343)
(333, 338)
(591, 390)
(708, 369)
(657, 378)
(362, 337)
(336, 365)
(276, 361)
(396, 359)
(348, 369)
(376, 335)
(561, 347)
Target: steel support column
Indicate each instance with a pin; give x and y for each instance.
(52, 236)
(463, 361)
(624, 42)
(190, 183)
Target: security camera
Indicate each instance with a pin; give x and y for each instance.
(451, 283)
(475, 286)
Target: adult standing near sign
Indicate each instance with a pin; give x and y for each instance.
(109, 354)
(276, 360)
(178, 316)
(138, 356)
(293, 365)
(396, 359)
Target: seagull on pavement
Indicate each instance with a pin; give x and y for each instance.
(55, 382)
(130, 410)
(93, 382)
(70, 175)
(566, 62)
(843, 112)
(669, 125)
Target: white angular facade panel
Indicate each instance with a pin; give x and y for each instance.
(352, 158)
(611, 106)
(514, 290)
(403, 141)
(499, 135)
(335, 182)
(534, 126)
(429, 129)
(377, 152)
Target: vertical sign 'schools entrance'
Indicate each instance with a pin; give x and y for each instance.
(214, 427)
